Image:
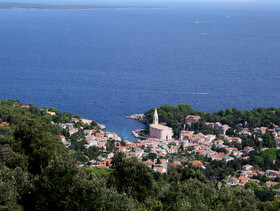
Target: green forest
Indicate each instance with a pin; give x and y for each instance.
(39, 173)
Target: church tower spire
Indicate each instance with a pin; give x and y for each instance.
(155, 117)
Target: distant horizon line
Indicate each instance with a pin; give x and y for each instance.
(14, 5)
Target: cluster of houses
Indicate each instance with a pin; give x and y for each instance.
(222, 128)
(93, 137)
(248, 172)
(200, 144)
(99, 138)
(155, 150)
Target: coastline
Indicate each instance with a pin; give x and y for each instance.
(139, 117)
(32, 6)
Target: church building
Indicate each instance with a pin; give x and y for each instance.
(159, 131)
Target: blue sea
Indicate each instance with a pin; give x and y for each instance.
(108, 63)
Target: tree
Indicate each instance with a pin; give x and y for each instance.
(13, 183)
(267, 141)
(190, 194)
(110, 145)
(258, 160)
(152, 156)
(131, 177)
(235, 198)
(36, 142)
(181, 174)
(63, 186)
(265, 194)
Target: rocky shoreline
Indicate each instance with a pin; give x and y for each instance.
(139, 117)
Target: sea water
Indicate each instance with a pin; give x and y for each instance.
(105, 64)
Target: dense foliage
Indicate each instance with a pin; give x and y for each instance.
(38, 173)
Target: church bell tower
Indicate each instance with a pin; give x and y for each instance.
(155, 117)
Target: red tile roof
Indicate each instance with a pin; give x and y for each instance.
(197, 163)
(158, 169)
(4, 124)
(193, 116)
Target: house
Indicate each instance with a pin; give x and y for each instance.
(160, 169)
(239, 126)
(210, 137)
(175, 163)
(237, 153)
(75, 120)
(245, 132)
(199, 152)
(110, 155)
(199, 136)
(102, 165)
(64, 141)
(88, 132)
(255, 181)
(68, 126)
(263, 130)
(227, 158)
(232, 181)
(262, 173)
(25, 106)
(192, 119)
(277, 127)
(242, 185)
(243, 179)
(90, 144)
(3, 124)
(72, 131)
(224, 129)
(230, 149)
(209, 153)
(260, 139)
(174, 149)
(277, 191)
(90, 137)
(218, 143)
(248, 149)
(210, 124)
(218, 156)
(186, 135)
(273, 173)
(164, 161)
(87, 121)
(218, 125)
(228, 139)
(247, 167)
(270, 183)
(198, 163)
(149, 163)
(122, 149)
(277, 140)
(237, 140)
(251, 174)
(51, 113)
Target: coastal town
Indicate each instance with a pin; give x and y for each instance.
(238, 156)
(160, 151)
